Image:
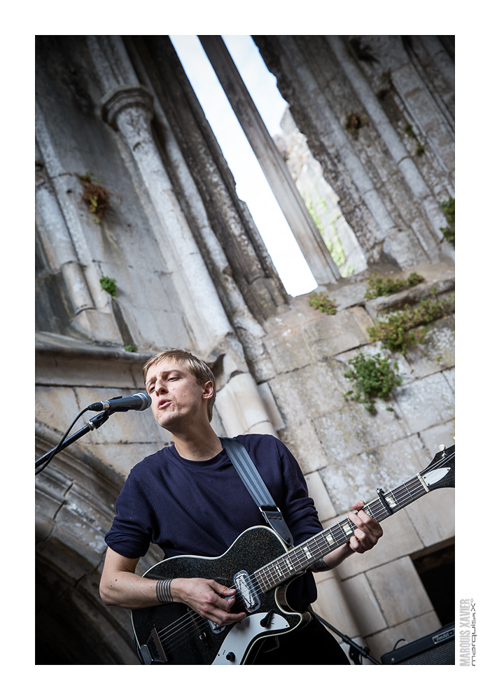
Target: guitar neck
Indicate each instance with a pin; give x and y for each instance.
(304, 555)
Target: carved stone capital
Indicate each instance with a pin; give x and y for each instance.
(123, 97)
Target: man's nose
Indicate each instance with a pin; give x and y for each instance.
(160, 387)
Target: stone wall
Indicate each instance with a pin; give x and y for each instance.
(346, 452)
(378, 113)
(191, 271)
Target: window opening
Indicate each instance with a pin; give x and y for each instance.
(252, 186)
(320, 198)
(437, 573)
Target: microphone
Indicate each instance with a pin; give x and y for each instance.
(137, 402)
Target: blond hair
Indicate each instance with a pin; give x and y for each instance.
(199, 369)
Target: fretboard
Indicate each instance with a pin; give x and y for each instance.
(304, 555)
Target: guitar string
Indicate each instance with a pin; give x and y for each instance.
(180, 625)
(376, 509)
(177, 626)
(337, 533)
(188, 625)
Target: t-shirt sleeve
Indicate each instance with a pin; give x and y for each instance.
(131, 531)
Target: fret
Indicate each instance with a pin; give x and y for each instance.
(367, 509)
(348, 527)
(328, 537)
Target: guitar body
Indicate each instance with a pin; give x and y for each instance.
(175, 634)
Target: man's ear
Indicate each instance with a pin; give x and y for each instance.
(208, 388)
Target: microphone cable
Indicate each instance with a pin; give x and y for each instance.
(60, 444)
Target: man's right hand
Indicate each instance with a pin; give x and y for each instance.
(208, 598)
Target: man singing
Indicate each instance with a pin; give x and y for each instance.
(189, 499)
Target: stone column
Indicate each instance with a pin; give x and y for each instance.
(399, 247)
(398, 152)
(58, 223)
(128, 109)
(59, 248)
(309, 240)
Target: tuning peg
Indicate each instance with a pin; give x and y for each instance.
(442, 447)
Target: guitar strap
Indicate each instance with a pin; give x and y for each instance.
(248, 473)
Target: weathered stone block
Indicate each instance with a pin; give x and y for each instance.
(306, 393)
(240, 407)
(339, 433)
(332, 606)
(442, 434)
(360, 598)
(331, 335)
(303, 442)
(433, 516)
(56, 407)
(349, 477)
(271, 406)
(425, 402)
(288, 350)
(317, 491)
(379, 428)
(400, 460)
(399, 591)
(437, 350)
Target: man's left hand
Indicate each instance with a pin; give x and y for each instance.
(368, 530)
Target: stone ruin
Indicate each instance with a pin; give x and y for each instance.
(361, 170)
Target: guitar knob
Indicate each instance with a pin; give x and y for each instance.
(266, 621)
(230, 656)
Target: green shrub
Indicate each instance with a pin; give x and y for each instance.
(383, 286)
(402, 329)
(373, 377)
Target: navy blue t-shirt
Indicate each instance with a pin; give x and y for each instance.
(200, 508)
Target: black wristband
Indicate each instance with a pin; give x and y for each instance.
(163, 592)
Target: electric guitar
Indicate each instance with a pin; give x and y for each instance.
(260, 567)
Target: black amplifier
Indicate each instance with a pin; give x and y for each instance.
(434, 649)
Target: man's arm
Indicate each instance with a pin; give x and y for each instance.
(366, 536)
(121, 586)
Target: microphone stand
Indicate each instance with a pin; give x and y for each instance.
(93, 424)
(354, 649)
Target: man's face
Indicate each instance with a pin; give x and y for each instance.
(176, 397)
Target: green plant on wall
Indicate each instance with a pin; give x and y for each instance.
(449, 210)
(373, 377)
(108, 284)
(322, 302)
(95, 196)
(354, 123)
(405, 328)
(383, 286)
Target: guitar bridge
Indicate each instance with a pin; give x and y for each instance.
(153, 652)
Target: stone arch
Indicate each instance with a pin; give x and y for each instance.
(74, 510)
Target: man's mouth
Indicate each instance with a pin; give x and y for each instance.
(163, 403)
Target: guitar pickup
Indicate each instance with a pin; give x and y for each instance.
(246, 593)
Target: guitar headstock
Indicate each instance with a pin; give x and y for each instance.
(440, 473)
